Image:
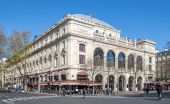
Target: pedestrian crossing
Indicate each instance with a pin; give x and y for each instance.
(10, 100)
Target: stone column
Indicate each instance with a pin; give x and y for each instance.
(116, 84)
(126, 63)
(116, 61)
(126, 83)
(39, 80)
(135, 76)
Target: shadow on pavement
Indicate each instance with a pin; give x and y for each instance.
(154, 99)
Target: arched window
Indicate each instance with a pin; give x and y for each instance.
(121, 60)
(110, 59)
(98, 57)
(139, 63)
(130, 61)
(98, 78)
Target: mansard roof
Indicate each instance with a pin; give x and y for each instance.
(91, 19)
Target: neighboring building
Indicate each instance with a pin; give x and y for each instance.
(70, 52)
(2, 72)
(163, 66)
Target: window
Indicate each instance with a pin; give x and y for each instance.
(81, 59)
(56, 47)
(64, 31)
(63, 77)
(82, 77)
(50, 78)
(150, 59)
(121, 60)
(57, 34)
(97, 31)
(56, 77)
(63, 44)
(46, 40)
(51, 38)
(82, 47)
(41, 43)
(150, 67)
(63, 59)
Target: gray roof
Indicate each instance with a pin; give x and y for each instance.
(90, 18)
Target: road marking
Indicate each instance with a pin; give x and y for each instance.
(12, 100)
(5, 100)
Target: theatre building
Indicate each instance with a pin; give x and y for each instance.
(81, 51)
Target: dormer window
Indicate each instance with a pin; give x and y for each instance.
(51, 37)
(150, 59)
(110, 35)
(63, 44)
(97, 31)
(64, 31)
(46, 40)
(41, 43)
(57, 34)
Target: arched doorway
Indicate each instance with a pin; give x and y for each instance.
(131, 80)
(111, 82)
(139, 83)
(121, 83)
(99, 79)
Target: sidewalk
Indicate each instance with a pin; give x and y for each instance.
(129, 94)
(119, 94)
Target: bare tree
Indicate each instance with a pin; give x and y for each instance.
(19, 42)
(91, 70)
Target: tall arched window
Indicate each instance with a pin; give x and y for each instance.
(139, 63)
(98, 57)
(110, 59)
(121, 60)
(130, 61)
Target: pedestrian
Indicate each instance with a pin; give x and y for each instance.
(64, 91)
(147, 91)
(84, 93)
(76, 90)
(159, 92)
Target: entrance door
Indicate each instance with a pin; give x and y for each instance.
(121, 83)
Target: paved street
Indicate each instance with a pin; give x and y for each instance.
(18, 98)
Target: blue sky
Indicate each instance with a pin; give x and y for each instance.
(135, 18)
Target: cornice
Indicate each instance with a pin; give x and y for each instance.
(114, 43)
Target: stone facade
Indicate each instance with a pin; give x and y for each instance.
(80, 47)
(162, 66)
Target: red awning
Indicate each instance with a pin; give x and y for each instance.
(75, 82)
(63, 72)
(43, 83)
(82, 73)
(56, 73)
(50, 74)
